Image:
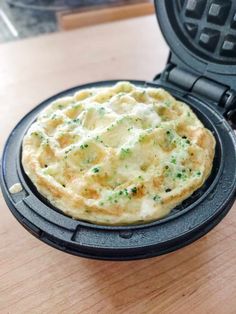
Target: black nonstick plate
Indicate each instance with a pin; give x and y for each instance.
(186, 223)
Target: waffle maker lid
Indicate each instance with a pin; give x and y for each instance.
(200, 71)
(201, 35)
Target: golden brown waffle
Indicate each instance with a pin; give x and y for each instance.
(118, 155)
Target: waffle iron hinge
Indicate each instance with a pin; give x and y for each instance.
(202, 86)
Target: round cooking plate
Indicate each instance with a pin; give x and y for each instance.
(186, 223)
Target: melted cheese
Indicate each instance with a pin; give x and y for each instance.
(15, 188)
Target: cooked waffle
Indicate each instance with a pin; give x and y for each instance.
(117, 155)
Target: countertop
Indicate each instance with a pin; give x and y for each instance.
(35, 278)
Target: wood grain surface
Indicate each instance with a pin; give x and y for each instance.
(35, 278)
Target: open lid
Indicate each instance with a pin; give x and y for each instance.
(201, 35)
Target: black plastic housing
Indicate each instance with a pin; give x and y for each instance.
(188, 222)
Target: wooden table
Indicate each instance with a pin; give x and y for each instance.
(35, 278)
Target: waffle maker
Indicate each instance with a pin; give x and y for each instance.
(201, 71)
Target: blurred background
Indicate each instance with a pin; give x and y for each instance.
(27, 18)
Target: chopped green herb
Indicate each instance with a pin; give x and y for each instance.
(77, 121)
(126, 192)
(38, 135)
(134, 190)
(53, 116)
(179, 175)
(102, 111)
(142, 138)
(173, 161)
(170, 136)
(156, 198)
(68, 150)
(125, 152)
(76, 106)
(167, 103)
(83, 146)
(120, 95)
(101, 203)
(95, 170)
(109, 129)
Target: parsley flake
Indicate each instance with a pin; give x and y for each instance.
(96, 170)
(134, 190)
